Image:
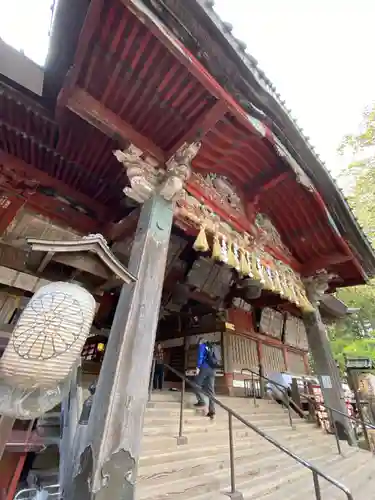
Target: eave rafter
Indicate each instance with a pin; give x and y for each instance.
(251, 138)
(40, 178)
(124, 227)
(99, 116)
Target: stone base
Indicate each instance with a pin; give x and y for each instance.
(181, 440)
(235, 496)
(150, 404)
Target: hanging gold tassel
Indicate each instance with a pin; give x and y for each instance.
(287, 287)
(248, 260)
(270, 274)
(224, 250)
(294, 292)
(244, 263)
(279, 285)
(256, 268)
(268, 285)
(231, 262)
(236, 257)
(201, 243)
(216, 249)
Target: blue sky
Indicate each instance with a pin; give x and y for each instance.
(318, 53)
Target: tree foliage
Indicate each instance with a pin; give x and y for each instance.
(355, 335)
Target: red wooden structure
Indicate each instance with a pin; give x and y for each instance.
(156, 75)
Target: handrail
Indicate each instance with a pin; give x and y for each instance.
(363, 423)
(53, 490)
(354, 419)
(276, 384)
(231, 413)
(331, 410)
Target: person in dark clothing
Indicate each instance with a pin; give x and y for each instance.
(208, 362)
(159, 367)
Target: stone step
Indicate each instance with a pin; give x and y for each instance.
(174, 453)
(217, 436)
(200, 469)
(257, 473)
(204, 424)
(341, 470)
(194, 465)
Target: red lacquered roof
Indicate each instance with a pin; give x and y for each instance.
(132, 77)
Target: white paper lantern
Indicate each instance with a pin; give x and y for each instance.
(44, 349)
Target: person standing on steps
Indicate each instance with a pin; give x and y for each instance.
(159, 367)
(208, 362)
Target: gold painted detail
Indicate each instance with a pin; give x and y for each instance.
(243, 252)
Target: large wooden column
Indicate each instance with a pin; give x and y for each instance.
(325, 365)
(108, 463)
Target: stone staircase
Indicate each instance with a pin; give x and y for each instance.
(200, 469)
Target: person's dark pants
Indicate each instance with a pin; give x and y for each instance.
(206, 380)
(159, 376)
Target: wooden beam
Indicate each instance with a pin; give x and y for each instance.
(45, 261)
(323, 262)
(32, 173)
(6, 426)
(181, 53)
(201, 127)
(92, 20)
(263, 183)
(10, 204)
(21, 462)
(125, 227)
(56, 210)
(99, 116)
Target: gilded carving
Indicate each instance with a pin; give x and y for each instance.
(268, 234)
(219, 190)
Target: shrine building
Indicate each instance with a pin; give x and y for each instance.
(151, 114)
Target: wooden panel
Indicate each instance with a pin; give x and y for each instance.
(295, 333)
(243, 352)
(20, 280)
(272, 359)
(296, 363)
(271, 322)
(242, 320)
(210, 278)
(13, 257)
(8, 304)
(31, 225)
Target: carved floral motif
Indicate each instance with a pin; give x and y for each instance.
(248, 251)
(219, 190)
(16, 181)
(143, 174)
(146, 176)
(317, 285)
(178, 171)
(269, 235)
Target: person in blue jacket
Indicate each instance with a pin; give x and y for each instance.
(208, 362)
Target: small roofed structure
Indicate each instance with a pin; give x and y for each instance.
(90, 256)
